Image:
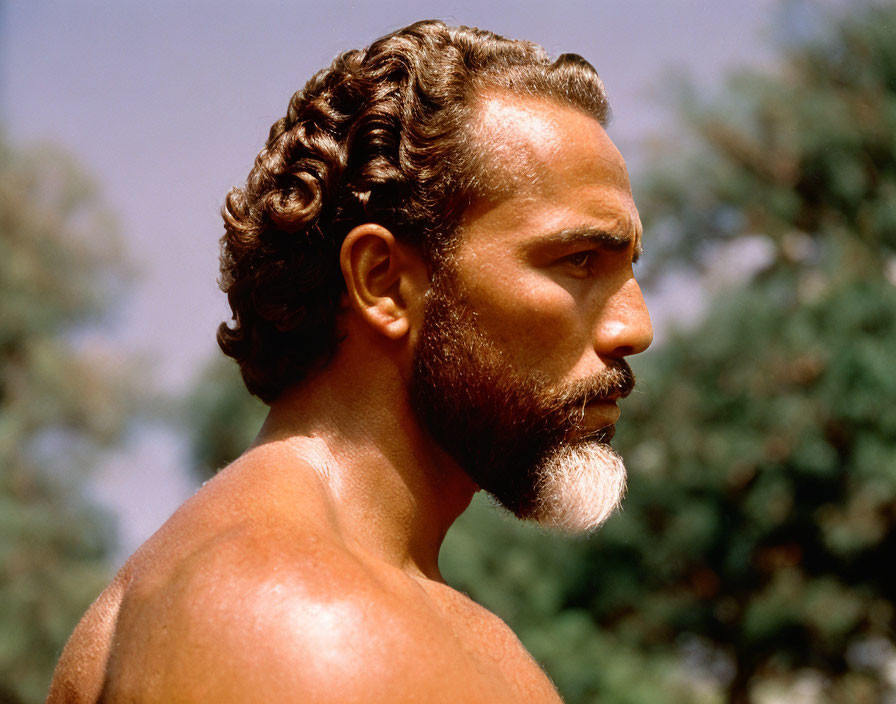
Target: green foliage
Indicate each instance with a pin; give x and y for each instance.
(60, 401)
(756, 541)
(763, 500)
(802, 157)
(763, 443)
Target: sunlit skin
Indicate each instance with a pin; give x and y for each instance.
(307, 571)
(551, 267)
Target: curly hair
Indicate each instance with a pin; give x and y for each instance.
(383, 136)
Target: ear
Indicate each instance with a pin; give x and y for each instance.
(385, 280)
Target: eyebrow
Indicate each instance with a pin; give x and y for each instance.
(596, 236)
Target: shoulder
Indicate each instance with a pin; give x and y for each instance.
(79, 674)
(260, 618)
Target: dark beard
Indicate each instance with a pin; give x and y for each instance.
(498, 424)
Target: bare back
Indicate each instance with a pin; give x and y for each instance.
(251, 592)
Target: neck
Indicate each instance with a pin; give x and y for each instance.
(393, 493)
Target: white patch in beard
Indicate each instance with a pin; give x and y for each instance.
(580, 485)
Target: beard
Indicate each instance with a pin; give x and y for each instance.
(518, 436)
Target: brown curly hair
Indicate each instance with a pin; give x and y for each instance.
(383, 135)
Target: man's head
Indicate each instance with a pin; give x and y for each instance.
(520, 360)
(489, 163)
(385, 135)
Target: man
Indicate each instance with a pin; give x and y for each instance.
(430, 271)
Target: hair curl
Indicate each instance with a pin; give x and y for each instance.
(382, 136)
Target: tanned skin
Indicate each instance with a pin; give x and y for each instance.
(307, 571)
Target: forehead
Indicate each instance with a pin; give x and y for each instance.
(546, 168)
(517, 137)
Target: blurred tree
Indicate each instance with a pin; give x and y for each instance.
(760, 524)
(761, 518)
(756, 539)
(755, 545)
(61, 399)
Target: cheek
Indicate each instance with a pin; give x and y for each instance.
(536, 323)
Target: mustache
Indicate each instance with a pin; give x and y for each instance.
(568, 405)
(615, 382)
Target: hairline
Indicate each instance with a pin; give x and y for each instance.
(480, 182)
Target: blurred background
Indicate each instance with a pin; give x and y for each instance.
(753, 561)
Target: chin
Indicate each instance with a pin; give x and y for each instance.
(579, 486)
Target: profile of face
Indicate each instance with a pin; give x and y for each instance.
(520, 360)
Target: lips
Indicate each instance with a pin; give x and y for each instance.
(604, 412)
(595, 421)
(590, 405)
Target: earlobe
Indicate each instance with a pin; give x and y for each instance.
(380, 278)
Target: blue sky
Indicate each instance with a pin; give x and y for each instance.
(166, 104)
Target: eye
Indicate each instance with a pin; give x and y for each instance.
(581, 260)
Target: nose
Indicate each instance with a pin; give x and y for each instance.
(624, 328)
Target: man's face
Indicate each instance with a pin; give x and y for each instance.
(520, 361)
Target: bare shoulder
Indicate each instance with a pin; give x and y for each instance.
(228, 603)
(78, 677)
(494, 645)
(254, 618)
